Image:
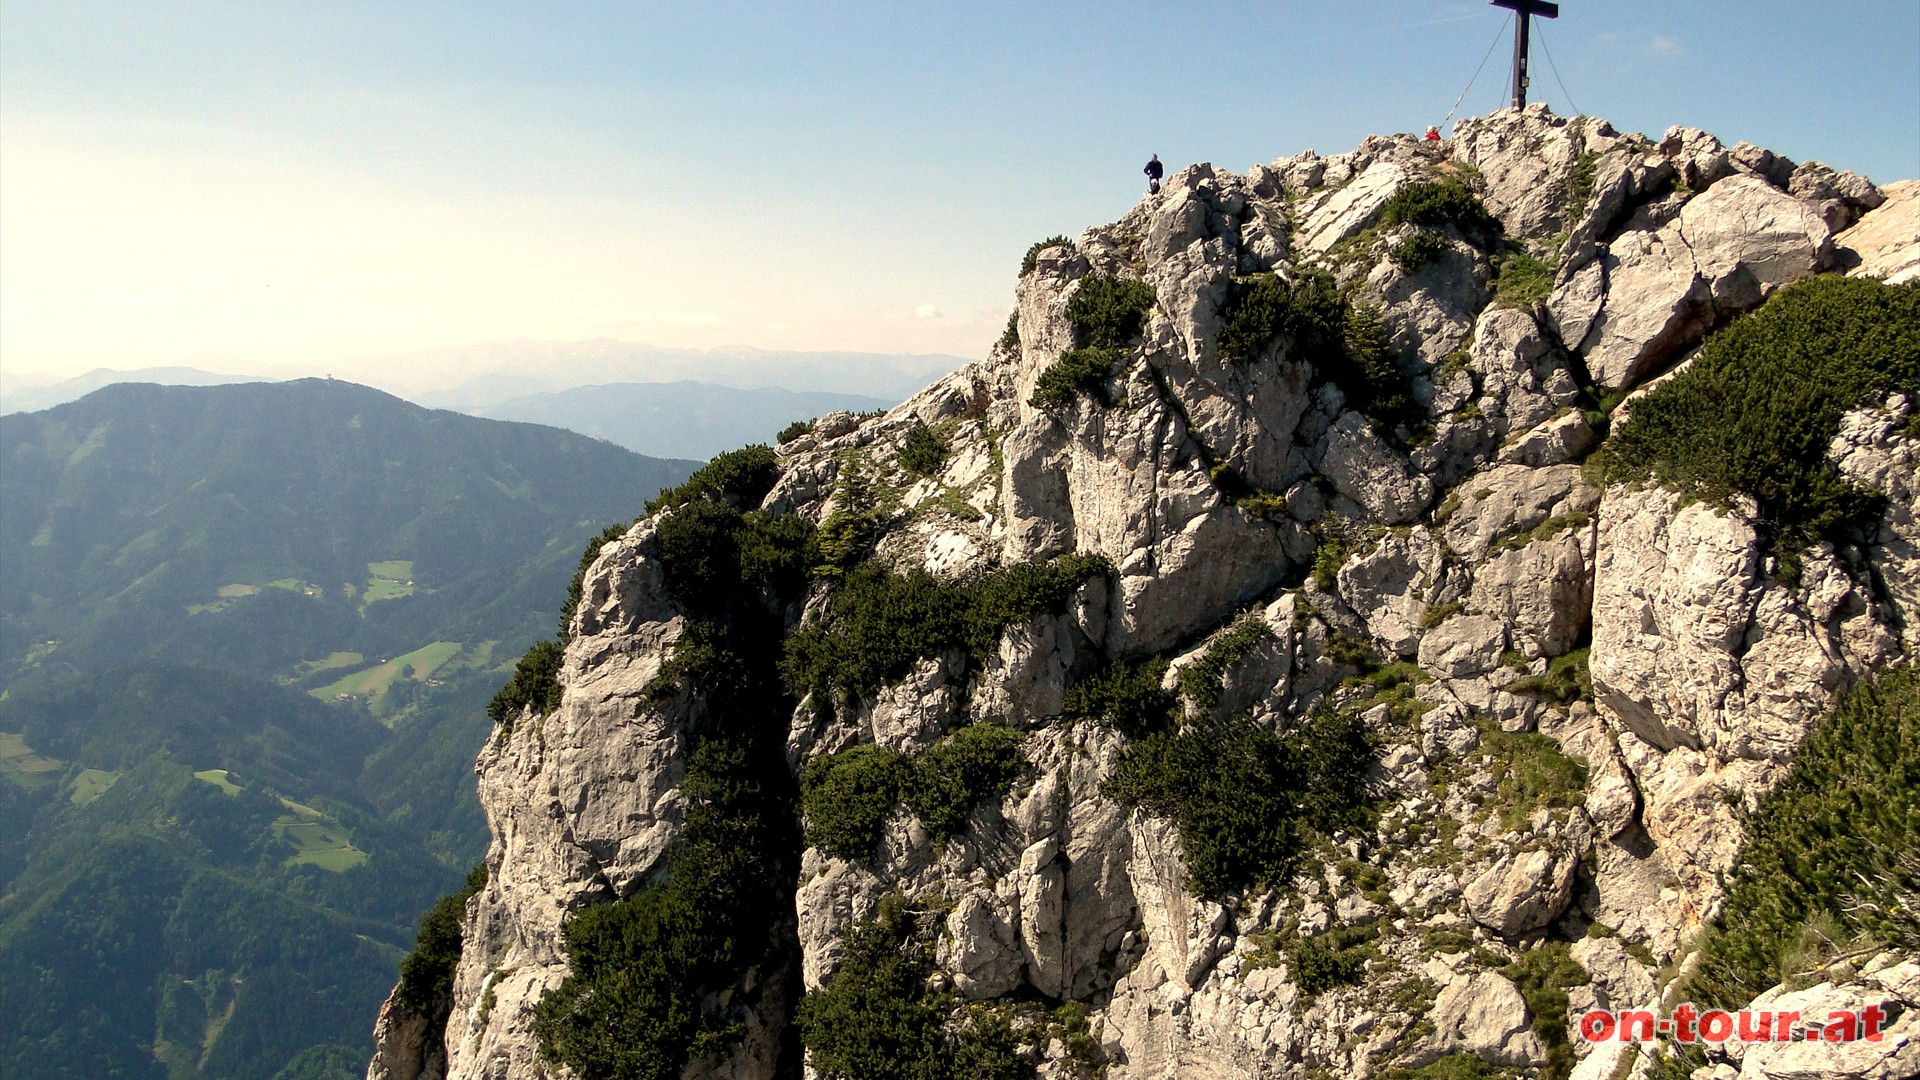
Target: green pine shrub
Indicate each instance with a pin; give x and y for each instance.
(1110, 311)
(1418, 251)
(1032, 258)
(877, 626)
(923, 450)
(426, 975)
(848, 534)
(1755, 412)
(1080, 371)
(1369, 373)
(710, 551)
(794, 430)
(535, 682)
(699, 558)
(876, 1017)
(1432, 615)
(739, 477)
(1010, 337)
(1546, 530)
(1436, 203)
(1017, 593)
(976, 763)
(777, 552)
(1200, 680)
(712, 659)
(1347, 345)
(879, 623)
(1309, 313)
(846, 797)
(1127, 696)
(1832, 847)
(1244, 799)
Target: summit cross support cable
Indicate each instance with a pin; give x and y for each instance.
(1524, 11)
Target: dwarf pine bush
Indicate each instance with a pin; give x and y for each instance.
(1834, 843)
(1755, 412)
(878, 1016)
(739, 477)
(1243, 798)
(1346, 345)
(923, 450)
(1108, 313)
(1436, 203)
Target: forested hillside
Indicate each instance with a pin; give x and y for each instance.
(248, 634)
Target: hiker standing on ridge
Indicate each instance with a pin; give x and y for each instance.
(1154, 173)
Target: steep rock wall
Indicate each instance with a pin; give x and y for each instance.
(1477, 550)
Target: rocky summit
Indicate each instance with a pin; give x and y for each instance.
(1362, 617)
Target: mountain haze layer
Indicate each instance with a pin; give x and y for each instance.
(680, 419)
(1365, 614)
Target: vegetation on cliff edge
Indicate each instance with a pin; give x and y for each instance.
(1755, 412)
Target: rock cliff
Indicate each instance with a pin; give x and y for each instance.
(1335, 461)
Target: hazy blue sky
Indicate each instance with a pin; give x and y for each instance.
(252, 183)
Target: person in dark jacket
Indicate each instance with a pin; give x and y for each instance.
(1154, 172)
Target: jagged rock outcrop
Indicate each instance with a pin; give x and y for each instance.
(1514, 807)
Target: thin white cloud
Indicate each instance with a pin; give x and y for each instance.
(1664, 46)
(926, 311)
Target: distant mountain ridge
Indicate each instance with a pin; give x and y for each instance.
(695, 419)
(34, 397)
(475, 376)
(247, 636)
(142, 497)
(469, 376)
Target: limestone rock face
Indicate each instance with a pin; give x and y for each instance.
(1362, 467)
(406, 1046)
(1695, 646)
(1521, 893)
(1883, 240)
(1340, 214)
(1666, 282)
(1450, 581)
(1486, 1016)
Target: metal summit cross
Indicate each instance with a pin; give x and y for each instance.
(1524, 11)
